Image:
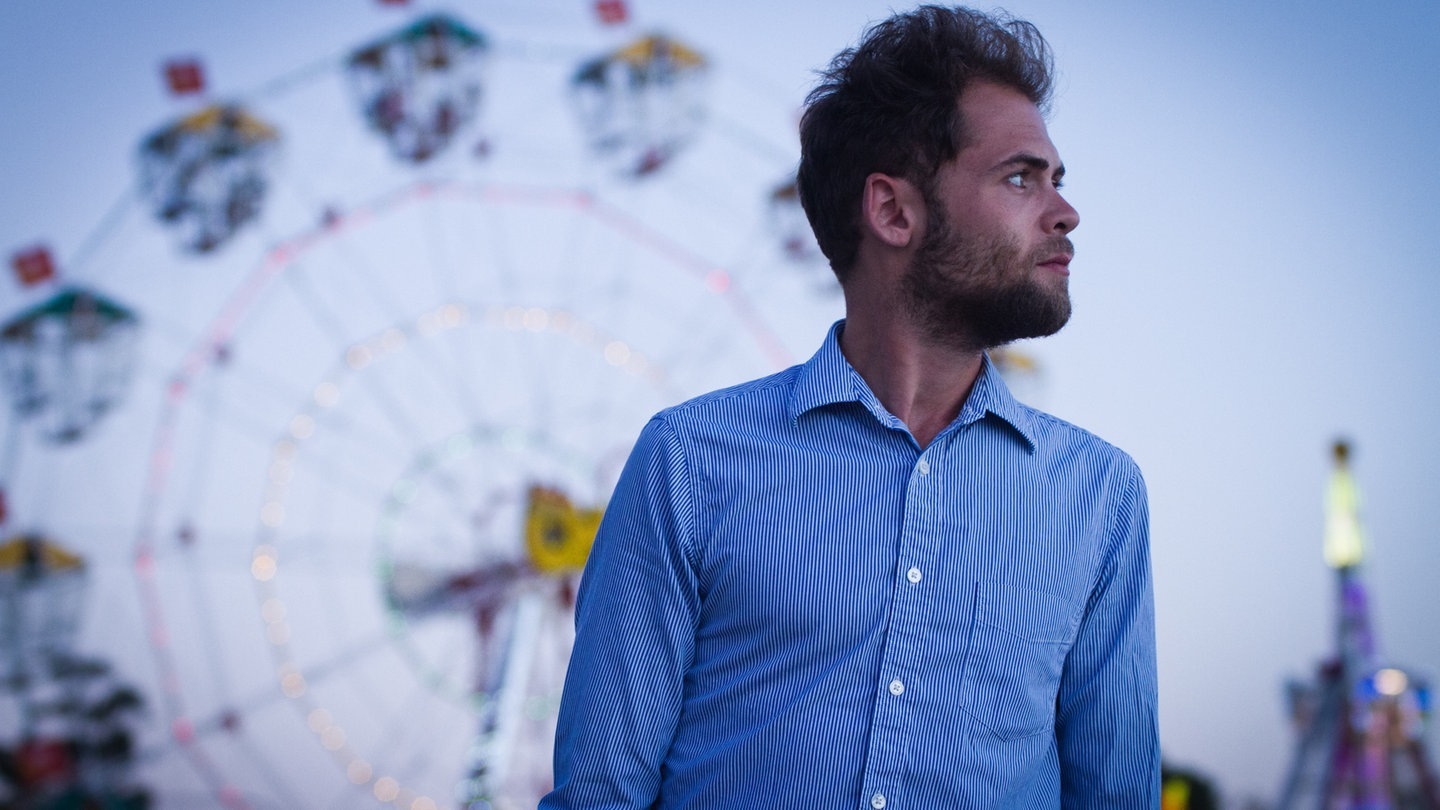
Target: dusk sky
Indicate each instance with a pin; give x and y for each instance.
(1254, 277)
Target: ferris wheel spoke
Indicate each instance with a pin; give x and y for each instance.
(203, 611)
(361, 274)
(445, 376)
(334, 444)
(464, 372)
(343, 476)
(400, 743)
(761, 146)
(372, 283)
(340, 477)
(103, 232)
(441, 257)
(337, 460)
(750, 254)
(448, 362)
(202, 470)
(612, 265)
(228, 727)
(705, 339)
(575, 266)
(344, 797)
(454, 503)
(503, 271)
(9, 459)
(316, 71)
(281, 395)
(300, 283)
(405, 429)
(261, 759)
(323, 553)
(337, 664)
(215, 551)
(396, 416)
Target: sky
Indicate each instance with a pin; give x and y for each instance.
(1252, 280)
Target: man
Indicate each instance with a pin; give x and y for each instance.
(876, 580)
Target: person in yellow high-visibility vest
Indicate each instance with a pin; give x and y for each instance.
(1344, 538)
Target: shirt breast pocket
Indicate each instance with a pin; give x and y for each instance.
(1018, 642)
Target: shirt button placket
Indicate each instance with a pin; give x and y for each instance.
(896, 686)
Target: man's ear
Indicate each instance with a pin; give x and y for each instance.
(891, 209)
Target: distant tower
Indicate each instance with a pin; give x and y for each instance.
(1360, 726)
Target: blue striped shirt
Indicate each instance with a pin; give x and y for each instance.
(790, 605)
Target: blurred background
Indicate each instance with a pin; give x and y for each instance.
(328, 325)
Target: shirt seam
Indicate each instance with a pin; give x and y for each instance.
(690, 533)
(779, 379)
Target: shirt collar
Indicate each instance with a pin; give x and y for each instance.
(828, 378)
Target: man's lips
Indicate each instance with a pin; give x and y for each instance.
(1059, 263)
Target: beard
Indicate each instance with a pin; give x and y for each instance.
(974, 294)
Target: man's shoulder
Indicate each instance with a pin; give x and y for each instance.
(757, 399)
(1067, 439)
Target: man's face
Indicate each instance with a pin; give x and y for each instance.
(993, 265)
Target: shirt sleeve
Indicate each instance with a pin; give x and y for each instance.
(1107, 728)
(635, 633)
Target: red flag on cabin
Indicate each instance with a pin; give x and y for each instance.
(184, 76)
(612, 12)
(33, 266)
(43, 763)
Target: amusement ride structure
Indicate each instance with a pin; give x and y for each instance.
(1360, 724)
(432, 287)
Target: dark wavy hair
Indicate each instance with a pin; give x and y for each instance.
(891, 105)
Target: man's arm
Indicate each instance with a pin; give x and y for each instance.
(635, 635)
(1106, 723)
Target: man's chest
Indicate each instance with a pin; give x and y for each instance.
(960, 591)
(830, 543)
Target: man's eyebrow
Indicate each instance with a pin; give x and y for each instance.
(1028, 160)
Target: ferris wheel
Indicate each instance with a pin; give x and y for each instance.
(452, 273)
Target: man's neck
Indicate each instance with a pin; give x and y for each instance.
(924, 385)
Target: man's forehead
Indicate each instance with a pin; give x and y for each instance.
(1000, 121)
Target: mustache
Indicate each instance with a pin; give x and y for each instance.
(1052, 246)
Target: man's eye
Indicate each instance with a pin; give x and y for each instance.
(1017, 180)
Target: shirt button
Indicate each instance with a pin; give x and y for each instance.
(897, 687)
(923, 467)
(877, 801)
(913, 575)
